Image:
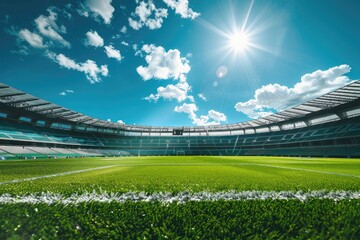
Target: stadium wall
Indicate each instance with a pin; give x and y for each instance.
(328, 126)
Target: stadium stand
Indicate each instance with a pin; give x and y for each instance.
(328, 126)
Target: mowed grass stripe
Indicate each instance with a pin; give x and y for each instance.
(55, 175)
(308, 170)
(20, 169)
(234, 164)
(185, 178)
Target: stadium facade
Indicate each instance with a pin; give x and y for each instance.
(328, 126)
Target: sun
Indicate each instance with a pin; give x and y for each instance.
(239, 42)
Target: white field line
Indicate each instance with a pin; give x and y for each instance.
(308, 170)
(181, 197)
(55, 175)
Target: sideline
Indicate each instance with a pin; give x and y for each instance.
(181, 197)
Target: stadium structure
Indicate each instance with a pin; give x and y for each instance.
(328, 126)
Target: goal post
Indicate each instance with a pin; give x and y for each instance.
(180, 153)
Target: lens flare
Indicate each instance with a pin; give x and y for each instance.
(221, 71)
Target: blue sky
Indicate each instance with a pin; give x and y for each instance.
(179, 62)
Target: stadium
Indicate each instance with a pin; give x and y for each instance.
(179, 119)
(35, 129)
(327, 126)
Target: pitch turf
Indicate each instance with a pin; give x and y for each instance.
(94, 217)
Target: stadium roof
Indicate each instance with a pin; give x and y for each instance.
(25, 102)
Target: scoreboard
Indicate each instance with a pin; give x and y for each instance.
(178, 131)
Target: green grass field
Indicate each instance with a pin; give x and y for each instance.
(47, 181)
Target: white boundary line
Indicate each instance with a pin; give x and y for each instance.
(55, 175)
(181, 197)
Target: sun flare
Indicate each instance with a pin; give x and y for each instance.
(239, 41)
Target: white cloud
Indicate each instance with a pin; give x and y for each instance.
(212, 118)
(48, 28)
(94, 39)
(162, 64)
(165, 65)
(137, 50)
(98, 8)
(33, 39)
(189, 108)
(123, 30)
(111, 52)
(148, 15)
(91, 70)
(124, 43)
(178, 92)
(182, 7)
(120, 122)
(64, 93)
(134, 24)
(275, 97)
(152, 97)
(47, 33)
(69, 7)
(202, 96)
(217, 116)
